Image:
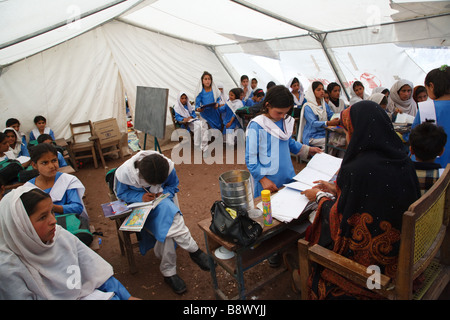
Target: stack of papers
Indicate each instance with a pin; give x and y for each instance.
(288, 203)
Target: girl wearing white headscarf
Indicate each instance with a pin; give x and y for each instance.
(18, 147)
(207, 93)
(43, 261)
(357, 93)
(401, 98)
(315, 116)
(185, 114)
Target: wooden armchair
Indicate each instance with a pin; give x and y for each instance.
(80, 143)
(424, 249)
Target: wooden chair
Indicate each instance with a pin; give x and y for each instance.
(176, 124)
(424, 249)
(81, 145)
(107, 136)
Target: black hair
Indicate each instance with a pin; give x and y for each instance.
(385, 91)
(206, 73)
(2, 136)
(278, 97)
(31, 198)
(258, 93)
(427, 140)
(332, 85)
(440, 77)
(39, 118)
(316, 84)
(12, 121)
(243, 77)
(254, 79)
(44, 137)
(38, 150)
(237, 92)
(153, 168)
(270, 85)
(357, 84)
(295, 80)
(384, 101)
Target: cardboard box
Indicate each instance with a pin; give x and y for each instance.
(107, 130)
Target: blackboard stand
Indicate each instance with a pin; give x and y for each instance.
(157, 147)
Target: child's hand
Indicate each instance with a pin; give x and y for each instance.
(268, 184)
(333, 122)
(148, 197)
(311, 194)
(314, 150)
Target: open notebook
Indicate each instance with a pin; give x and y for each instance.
(288, 203)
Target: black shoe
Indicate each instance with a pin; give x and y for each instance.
(201, 259)
(176, 283)
(274, 260)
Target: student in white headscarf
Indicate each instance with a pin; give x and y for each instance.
(380, 99)
(357, 93)
(336, 104)
(401, 98)
(296, 88)
(315, 116)
(43, 261)
(185, 114)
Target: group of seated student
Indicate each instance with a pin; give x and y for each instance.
(32, 244)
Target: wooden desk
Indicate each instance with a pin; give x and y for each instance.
(280, 236)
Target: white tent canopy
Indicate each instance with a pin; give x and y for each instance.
(72, 61)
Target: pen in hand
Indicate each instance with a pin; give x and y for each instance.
(148, 196)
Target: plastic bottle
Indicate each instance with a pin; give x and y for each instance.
(267, 208)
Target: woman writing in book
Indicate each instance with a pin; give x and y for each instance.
(41, 260)
(142, 178)
(376, 183)
(207, 94)
(269, 142)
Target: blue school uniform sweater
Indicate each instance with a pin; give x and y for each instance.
(70, 202)
(180, 118)
(263, 159)
(211, 115)
(313, 127)
(161, 218)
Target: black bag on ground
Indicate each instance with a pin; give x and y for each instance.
(9, 170)
(241, 229)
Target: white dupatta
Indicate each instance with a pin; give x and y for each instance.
(270, 127)
(37, 270)
(128, 174)
(180, 109)
(319, 110)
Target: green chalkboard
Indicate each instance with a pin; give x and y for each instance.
(151, 110)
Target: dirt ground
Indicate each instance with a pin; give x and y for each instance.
(199, 188)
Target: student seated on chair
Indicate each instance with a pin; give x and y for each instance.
(142, 178)
(39, 258)
(46, 138)
(427, 142)
(65, 189)
(360, 216)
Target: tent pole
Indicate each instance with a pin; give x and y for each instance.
(224, 65)
(332, 61)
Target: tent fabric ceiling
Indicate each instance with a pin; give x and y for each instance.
(218, 22)
(75, 60)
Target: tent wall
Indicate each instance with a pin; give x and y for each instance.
(86, 78)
